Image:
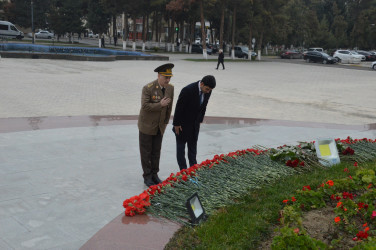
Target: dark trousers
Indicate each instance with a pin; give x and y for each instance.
(150, 151)
(223, 66)
(191, 141)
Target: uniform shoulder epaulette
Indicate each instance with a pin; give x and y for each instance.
(150, 85)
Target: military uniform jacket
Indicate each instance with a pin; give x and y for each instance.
(153, 116)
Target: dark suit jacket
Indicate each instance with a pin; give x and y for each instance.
(188, 111)
(221, 57)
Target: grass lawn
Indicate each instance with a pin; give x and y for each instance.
(252, 219)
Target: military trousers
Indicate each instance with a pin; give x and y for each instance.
(150, 151)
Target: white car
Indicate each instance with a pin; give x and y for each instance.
(345, 56)
(373, 65)
(44, 34)
(92, 35)
(363, 57)
(198, 40)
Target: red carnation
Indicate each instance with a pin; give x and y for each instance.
(348, 151)
(306, 188)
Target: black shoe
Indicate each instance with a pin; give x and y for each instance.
(149, 182)
(156, 179)
(216, 68)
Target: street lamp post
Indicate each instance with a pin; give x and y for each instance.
(32, 21)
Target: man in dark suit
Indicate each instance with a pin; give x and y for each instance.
(156, 106)
(189, 113)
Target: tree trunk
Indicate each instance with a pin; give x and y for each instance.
(153, 25)
(143, 28)
(222, 25)
(168, 31)
(233, 33)
(172, 32)
(228, 28)
(147, 28)
(211, 33)
(114, 29)
(192, 36)
(134, 28)
(260, 40)
(125, 25)
(143, 32)
(181, 31)
(260, 43)
(203, 35)
(156, 27)
(250, 41)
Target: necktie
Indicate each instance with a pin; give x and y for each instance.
(163, 91)
(201, 97)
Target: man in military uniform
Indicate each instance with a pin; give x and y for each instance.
(156, 105)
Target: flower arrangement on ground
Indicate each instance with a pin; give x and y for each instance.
(221, 180)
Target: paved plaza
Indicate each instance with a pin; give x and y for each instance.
(304, 92)
(62, 181)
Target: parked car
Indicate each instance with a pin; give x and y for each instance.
(92, 35)
(316, 49)
(291, 54)
(369, 56)
(44, 34)
(197, 48)
(242, 52)
(346, 56)
(198, 40)
(313, 49)
(373, 65)
(214, 48)
(316, 56)
(8, 30)
(363, 58)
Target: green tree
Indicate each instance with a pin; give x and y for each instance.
(114, 8)
(98, 18)
(222, 23)
(361, 20)
(19, 12)
(57, 20)
(339, 28)
(265, 19)
(324, 37)
(159, 9)
(235, 6)
(71, 16)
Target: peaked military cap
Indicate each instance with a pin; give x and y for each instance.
(165, 69)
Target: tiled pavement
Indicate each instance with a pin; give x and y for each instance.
(64, 175)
